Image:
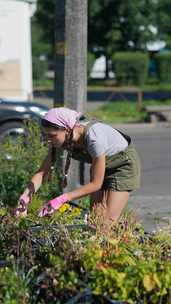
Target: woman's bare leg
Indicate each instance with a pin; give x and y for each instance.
(116, 202)
(108, 205)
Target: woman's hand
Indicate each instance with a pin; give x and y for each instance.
(21, 210)
(54, 204)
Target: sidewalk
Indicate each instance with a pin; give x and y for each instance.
(148, 210)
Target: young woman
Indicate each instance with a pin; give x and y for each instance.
(115, 165)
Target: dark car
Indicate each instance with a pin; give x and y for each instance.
(14, 113)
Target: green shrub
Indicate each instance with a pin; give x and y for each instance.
(164, 67)
(52, 264)
(19, 162)
(40, 67)
(90, 61)
(121, 111)
(13, 289)
(130, 68)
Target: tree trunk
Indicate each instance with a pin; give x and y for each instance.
(71, 63)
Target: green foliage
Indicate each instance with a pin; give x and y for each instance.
(53, 264)
(19, 162)
(163, 21)
(40, 67)
(130, 68)
(164, 67)
(112, 26)
(14, 286)
(39, 48)
(124, 111)
(43, 21)
(90, 61)
(121, 111)
(120, 25)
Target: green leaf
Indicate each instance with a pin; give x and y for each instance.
(149, 282)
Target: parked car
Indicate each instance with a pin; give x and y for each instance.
(14, 113)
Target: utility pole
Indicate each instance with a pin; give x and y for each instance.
(71, 61)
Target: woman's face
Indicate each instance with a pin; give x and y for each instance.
(55, 136)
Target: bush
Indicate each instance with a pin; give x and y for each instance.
(164, 67)
(13, 287)
(49, 263)
(19, 162)
(130, 68)
(90, 61)
(40, 67)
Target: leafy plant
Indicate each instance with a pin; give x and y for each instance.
(128, 265)
(19, 162)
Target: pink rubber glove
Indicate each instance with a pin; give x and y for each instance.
(53, 205)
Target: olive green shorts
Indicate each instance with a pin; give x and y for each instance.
(122, 171)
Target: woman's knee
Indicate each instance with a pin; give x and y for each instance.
(116, 203)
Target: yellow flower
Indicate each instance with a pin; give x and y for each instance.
(64, 207)
(76, 211)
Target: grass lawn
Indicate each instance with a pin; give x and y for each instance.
(124, 111)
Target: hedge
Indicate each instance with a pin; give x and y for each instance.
(130, 67)
(163, 62)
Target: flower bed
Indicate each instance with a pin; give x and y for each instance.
(50, 261)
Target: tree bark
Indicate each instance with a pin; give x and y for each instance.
(71, 62)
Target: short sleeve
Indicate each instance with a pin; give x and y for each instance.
(96, 141)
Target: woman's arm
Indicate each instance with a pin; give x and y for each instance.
(96, 180)
(38, 178)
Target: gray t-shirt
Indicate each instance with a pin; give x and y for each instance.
(103, 139)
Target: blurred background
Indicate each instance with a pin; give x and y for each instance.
(128, 43)
(128, 50)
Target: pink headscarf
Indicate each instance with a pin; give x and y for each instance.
(63, 117)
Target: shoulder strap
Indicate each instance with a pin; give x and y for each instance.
(90, 122)
(126, 136)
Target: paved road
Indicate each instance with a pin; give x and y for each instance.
(153, 200)
(154, 147)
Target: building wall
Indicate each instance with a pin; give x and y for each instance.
(15, 50)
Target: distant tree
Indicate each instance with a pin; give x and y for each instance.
(43, 27)
(39, 45)
(118, 25)
(113, 25)
(163, 21)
